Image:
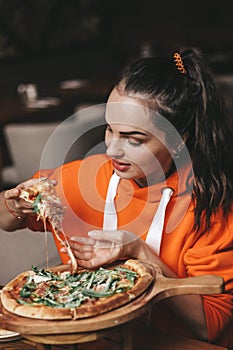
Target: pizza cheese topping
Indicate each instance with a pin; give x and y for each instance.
(67, 290)
(46, 203)
(47, 206)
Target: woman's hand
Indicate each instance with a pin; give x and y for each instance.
(13, 209)
(103, 247)
(17, 204)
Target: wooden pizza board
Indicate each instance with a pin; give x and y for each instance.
(161, 288)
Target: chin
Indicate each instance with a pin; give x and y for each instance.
(124, 175)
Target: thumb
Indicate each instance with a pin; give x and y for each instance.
(12, 193)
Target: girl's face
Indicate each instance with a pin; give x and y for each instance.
(138, 150)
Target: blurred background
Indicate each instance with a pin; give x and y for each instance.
(58, 58)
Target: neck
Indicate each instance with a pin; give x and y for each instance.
(141, 182)
(152, 179)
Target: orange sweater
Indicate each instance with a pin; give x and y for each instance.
(82, 186)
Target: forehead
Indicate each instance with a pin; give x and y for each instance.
(125, 110)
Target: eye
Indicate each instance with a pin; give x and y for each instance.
(134, 142)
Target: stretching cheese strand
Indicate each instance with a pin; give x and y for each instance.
(48, 206)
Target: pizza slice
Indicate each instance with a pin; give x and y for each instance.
(46, 203)
(47, 206)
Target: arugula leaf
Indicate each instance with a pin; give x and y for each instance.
(36, 203)
(71, 290)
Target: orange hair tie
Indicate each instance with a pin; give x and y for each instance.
(179, 63)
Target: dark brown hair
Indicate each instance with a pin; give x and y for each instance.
(194, 106)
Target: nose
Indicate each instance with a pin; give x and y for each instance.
(115, 148)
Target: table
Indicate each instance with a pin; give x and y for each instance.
(13, 110)
(163, 342)
(71, 332)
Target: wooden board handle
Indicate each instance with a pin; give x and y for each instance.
(205, 284)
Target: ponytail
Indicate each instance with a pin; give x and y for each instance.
(182, 89)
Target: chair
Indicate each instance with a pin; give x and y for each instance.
(82, 135)
(23, 248)
(25, 143)
(49, 145)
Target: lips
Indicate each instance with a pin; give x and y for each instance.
(120, 166)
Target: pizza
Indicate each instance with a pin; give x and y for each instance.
(46, 203)
(47, 206)
(56, 293)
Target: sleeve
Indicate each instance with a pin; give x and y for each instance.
(212, 254)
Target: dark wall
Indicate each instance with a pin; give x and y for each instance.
(32, 28)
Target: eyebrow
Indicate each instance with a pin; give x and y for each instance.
(129, 132)
(132, 133)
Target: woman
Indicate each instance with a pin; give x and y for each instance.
(162, 193)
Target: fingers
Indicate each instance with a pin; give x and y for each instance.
(87, 264)
(85, 244)
(119, 237)
(87, 256)
(15, 204)
(12, 193)
(31, 182)
(83, 240)
(81, 253)
(103, 235)
(105, 239)
(80, 246)
(106, 244)
(100, 247)
(91, 262)
(90, 253)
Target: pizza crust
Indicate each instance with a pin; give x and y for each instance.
(97, 307)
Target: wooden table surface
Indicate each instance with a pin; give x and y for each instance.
(143, 339)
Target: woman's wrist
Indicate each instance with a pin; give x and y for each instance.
(140, 250)
(135, 249)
